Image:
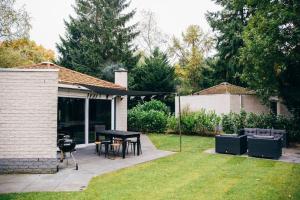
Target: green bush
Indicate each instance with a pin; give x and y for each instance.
(195, 123)
(154, 105)
(232, 122)
(151, 116)
(172, 124)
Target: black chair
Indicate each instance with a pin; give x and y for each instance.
(265, 147)
(231, 144)
(101, 140)
(133, 144)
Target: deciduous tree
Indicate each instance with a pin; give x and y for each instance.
(151, 36)
(191, 53)
(14, 23)
(22, 52)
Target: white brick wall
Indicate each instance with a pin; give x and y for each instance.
(28, 113)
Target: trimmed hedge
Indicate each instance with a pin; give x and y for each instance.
(151, 116)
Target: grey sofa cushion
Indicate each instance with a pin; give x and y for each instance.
(277, 132)
(250, 131)
(230, 135)
(261, 131)
(263, 136)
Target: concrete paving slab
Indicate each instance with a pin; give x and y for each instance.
(90, 165)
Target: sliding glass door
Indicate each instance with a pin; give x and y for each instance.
(71, 118)
(99, 114)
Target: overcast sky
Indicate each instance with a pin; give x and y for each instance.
(173, 16)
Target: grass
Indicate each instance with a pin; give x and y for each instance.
(191, 174)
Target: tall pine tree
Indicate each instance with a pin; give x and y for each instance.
(229, 24)
(98, 36)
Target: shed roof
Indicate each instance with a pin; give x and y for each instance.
(225, 88)
(68, 76)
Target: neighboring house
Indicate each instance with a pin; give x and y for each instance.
(39, 100)
(225, 98)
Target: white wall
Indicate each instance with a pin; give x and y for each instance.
(121, 102)
(235, 103)
(28, 113)
(220, 103)
(251, 103)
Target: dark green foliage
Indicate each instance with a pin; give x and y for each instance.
(155, 105)
(98, 36)
(229, 24)
(258, 45)
(272, 51)
(156, 74)
(151, 116)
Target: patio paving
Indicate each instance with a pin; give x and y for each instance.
(90, 165)
(290, 155)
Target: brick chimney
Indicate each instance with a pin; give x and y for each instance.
(120, 103)
(121, 77)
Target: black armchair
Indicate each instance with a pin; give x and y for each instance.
(231, 144)
(265, 146)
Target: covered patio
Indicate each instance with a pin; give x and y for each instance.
(68, 179)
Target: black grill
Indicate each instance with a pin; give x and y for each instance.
(67, 145)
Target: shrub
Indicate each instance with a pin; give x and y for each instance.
(232, 122)
(149, 117)
(172, 124)
(195, 123)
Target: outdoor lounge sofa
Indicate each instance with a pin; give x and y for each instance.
(250, 132)
(265, 146)
(231, 144)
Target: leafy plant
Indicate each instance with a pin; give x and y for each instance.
(151, 116)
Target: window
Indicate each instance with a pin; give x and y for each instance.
(70, 118)
(273, 106)
(99, 114)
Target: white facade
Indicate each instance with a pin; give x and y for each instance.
(28, 119)
(28, 116)
(226, 103)
(218, 103)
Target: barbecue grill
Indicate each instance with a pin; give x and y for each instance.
(67, 145)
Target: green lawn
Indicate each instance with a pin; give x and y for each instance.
(191, 174)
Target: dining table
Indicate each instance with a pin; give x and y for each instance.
(124, 135)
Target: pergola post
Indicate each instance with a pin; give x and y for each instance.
(179, 124)
(86, 121)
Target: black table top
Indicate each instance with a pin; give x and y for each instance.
(118, 133)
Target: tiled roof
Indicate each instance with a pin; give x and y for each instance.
(68, 76)
(225, 88)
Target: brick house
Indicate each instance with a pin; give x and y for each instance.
(38, 101)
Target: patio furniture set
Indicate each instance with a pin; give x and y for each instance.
(113, 140)
(265, 143)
